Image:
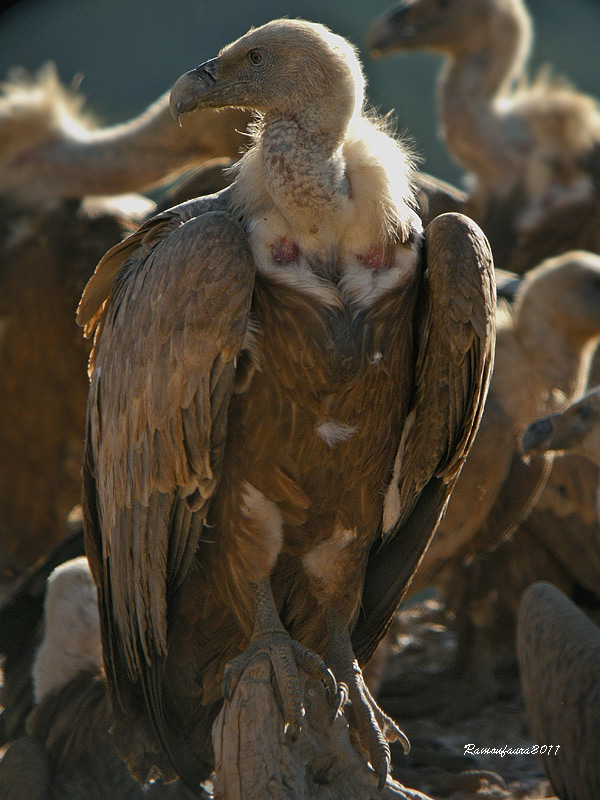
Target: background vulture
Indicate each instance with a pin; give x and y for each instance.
(545, 342)
(559, 653)
(531, 149)
(65, 198)
(576, 429)
(61, 747)
(285, 380)
(544, 348)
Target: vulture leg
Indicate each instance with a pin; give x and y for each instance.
(286, 655)
(370, 727)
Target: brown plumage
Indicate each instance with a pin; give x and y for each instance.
(52, 234)
(559, 653)
(66, 751)
(531, 148)
(544, 347)
(284, 384)
(50, 148)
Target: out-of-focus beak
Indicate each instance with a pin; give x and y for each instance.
(385, 34)
(198, 88)
(538, 436)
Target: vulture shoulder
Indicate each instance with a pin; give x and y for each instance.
(454, 361)
(170, 310)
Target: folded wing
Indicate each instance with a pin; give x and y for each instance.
(455, 338)
(162, 374)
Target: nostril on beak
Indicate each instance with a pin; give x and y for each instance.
(205, 74)
(209, 71)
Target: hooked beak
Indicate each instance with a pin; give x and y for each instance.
(198, 88)
(538, 436)
(386, 33)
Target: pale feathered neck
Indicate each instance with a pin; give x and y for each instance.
(366, 183)
(474, 88)
(560, 355)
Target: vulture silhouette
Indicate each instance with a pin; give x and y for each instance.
(559, 652)
(531, 148)
(285, 380)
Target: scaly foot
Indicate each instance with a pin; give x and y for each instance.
(286, 656)
(370, 727)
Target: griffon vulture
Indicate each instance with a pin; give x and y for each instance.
(21, 633)
(559, 654)
(575, 430)
(50, 148)
(565, 520)
(285, 380)
(54, 162)
(531, 149)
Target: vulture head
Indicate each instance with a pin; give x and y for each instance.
(319, 157)
(449, 27)
(71, 641)
(576, 429)
(277, 69)
(567, 295)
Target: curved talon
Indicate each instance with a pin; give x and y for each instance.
(404, 741)
(392, 732)
(340, 700)
(285, 655)
(383, 772)
(373, 727)
(291, 731)
(315, 667)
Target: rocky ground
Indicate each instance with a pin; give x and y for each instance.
(450, 722)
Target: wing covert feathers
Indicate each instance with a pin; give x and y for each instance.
(162, 375)
(138, 244)
(455, 349)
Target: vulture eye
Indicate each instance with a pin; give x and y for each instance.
(585, 413)
(256, 57)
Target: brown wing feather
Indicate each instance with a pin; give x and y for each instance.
(456, 334)
(139, 243)
(456, 353)
(163, 374)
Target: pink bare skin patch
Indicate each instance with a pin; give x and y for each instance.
(376, 259)
(285, 251)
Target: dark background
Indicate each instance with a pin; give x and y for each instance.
(131, 51)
